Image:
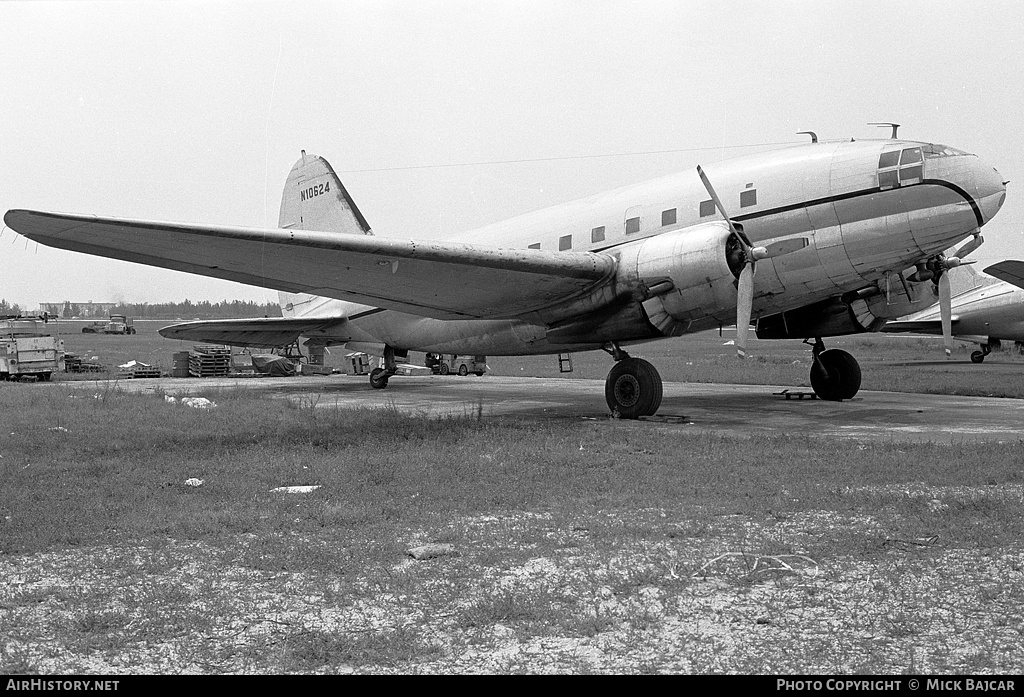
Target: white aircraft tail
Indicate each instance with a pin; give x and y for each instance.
(315, 199)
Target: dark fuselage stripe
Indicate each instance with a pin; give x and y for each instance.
(865, 192)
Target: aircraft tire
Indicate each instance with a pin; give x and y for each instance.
(835, 375)
(977, 356)
(633, 389)
(378, 379)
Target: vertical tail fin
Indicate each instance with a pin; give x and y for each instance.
(315, 199)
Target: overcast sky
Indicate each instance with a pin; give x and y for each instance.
(196, 111)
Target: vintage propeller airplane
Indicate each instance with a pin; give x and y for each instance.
(813, 240)
(985, 314)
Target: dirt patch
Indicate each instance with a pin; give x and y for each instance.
(527, 593)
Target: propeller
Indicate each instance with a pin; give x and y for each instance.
(943, 265)
(751, 254)
(946, 313)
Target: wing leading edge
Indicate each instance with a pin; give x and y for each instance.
(444, 280)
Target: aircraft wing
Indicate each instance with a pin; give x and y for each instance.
(1011, 271)
(262, 332)
(445, 280)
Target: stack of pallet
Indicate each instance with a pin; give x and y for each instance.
(209, 361)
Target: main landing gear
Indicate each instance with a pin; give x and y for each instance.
(379, 376)
(633, 387)
(979, 356)
(835, 374)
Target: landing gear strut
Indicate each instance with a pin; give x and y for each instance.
(633, 387)
(379, 376)
(835, 374)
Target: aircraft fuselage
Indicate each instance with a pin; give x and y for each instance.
(868, 209)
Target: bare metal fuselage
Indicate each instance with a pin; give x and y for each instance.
(861, 228)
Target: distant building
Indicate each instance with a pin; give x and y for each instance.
(66, 309)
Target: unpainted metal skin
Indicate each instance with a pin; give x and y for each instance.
(815, 239)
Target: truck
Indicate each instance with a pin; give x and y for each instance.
(448, 363)
(119, 324)
(29, 348)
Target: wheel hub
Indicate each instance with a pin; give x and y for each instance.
(627, 390)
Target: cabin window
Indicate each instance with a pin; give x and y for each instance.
(707, 208)
(668, 217)
(564, 243)
(597, 234)
(748, 198)
(632, 225)
(535, 245)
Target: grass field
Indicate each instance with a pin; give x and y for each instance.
(576, 546)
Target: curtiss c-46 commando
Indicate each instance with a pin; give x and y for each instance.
(811, 241)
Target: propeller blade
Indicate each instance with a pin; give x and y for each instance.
(719, 206)
(946, 312)
(745, 281)
(744, 305)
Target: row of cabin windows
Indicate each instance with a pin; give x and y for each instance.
(668, 217)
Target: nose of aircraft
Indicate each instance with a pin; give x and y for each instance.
(991, 190)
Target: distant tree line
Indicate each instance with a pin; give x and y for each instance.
(8, 309)
(227, 309)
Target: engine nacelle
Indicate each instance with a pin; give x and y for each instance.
(690, 274)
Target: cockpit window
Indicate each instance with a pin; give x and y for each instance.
(889, 159)
(910, 156)
(900, 168)
(936, 150)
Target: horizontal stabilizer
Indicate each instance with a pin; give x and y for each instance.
(1011, 271)
(265, 333)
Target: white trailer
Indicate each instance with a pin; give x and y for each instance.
(29, 348)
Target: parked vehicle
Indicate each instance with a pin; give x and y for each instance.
(448, 363)
(29, 348)
(119, 324)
